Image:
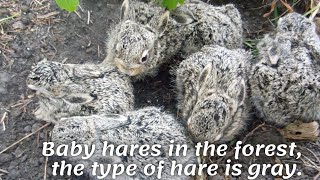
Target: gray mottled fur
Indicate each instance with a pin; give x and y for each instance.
(285, 82)
(212, 93)
(66, 90)
(149, 125)
(148, 29)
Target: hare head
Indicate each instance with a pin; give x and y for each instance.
(216, 114)
(132, 47)
(65, 90)
(45, 73)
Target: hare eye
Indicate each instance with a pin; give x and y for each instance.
(144, 57)
(35, 78)
(77, 100)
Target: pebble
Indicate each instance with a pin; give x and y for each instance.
(18, 25)
(16, 46)
(35, 162)
(18, 152)
(41, 160)
(24, 158)
(31, 16)
(24, 8)
(13, 174)
(49, 170)
(26, 20)
(13, 165)
(5, 157)
(27, 128)
(42, 135)
(35, 127)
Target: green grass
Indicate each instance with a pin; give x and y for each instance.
(251, 44)
(312, 10)
(6, 19)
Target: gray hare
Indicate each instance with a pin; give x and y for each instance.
(67, 90)
(285, 81)
(147, 126)
(148, 36)
(212, 93)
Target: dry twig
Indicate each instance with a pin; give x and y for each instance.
(22, 139)
(4, 171)
(5, 115)
(45, 16)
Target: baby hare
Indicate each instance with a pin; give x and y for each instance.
(66, 90)
(285, 81)
(212, 93)
(147, 126)
(148, 36)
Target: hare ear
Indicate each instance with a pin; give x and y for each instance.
(208, 74)
(237, 90)
(124, 10)
(231, 11)
(183, 16)
(117, 117)
(164, 19)
(274, 53)
(111, 121)
(79, 98)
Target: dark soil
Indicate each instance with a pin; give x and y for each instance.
(42, 30)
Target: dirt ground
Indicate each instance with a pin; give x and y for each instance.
(38, 29)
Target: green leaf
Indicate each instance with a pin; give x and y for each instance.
(170, 4)
(69, 5)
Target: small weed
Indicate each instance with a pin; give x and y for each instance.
(251, 44)
(6, 19)
(308, 6)
(71, 5)
(170, 4)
